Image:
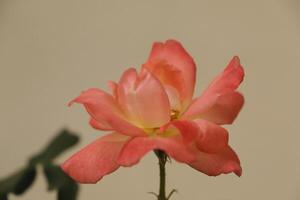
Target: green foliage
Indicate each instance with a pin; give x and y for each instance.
(60, 143)
(58, 180)
(20, 181)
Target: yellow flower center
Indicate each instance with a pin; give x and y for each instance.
(174, 114)
(170, 131)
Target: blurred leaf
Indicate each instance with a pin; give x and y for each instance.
(58, 180)
(68, 191)
(18, 182)
(64, 140)
(3, 196)
(55, 176)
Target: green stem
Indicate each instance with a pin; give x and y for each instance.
(162, 157)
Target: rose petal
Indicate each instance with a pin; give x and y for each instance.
(96, 160)
(223, 162)
(104, 109)
(113, 86)
(137, 147)
(225, 109)
(100, 126)
(212, 137)
(207, 136)
(143, 99)
(189, 130)
(220, 103)
(228, 80)
(174, 67)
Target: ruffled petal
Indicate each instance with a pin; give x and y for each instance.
(222, 109)
(143, 99)
(175, 68)
(137, 147)
(212, 138)
(223, 162)
(207, 136)
(96, 160)
(104, 109)
(220, 103)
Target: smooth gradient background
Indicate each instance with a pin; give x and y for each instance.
(52, 50)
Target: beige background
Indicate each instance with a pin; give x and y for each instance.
(51, 50)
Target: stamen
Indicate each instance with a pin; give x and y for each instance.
(174, 114)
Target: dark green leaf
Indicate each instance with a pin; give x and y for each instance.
(55, 176)
(3, 196)
(64, 140)
(68, 192)
(58, 180)
(18, 182)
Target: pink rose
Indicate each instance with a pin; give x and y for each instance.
(154, 110)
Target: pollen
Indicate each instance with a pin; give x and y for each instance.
(174, 114)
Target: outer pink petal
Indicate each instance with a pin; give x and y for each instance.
(100, 126)
(137, 147)
(144, 99)
(228, 80)
(96, 160)
(189, 130)
(207, 136)
(174, 67)
(104, 109)
(212, 138)
(221, 109)
(223, 162)
(220, 103)
(225, 109)
(113, 86)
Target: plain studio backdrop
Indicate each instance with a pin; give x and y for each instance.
(52, 50)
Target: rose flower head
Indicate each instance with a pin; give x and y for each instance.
(154, 109)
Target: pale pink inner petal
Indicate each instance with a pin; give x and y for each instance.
(104, 109)
(174, 67)
(174, 98)
(143, 99)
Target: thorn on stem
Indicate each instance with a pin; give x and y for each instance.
(153, 193)
(169, 159)
(171, 193)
